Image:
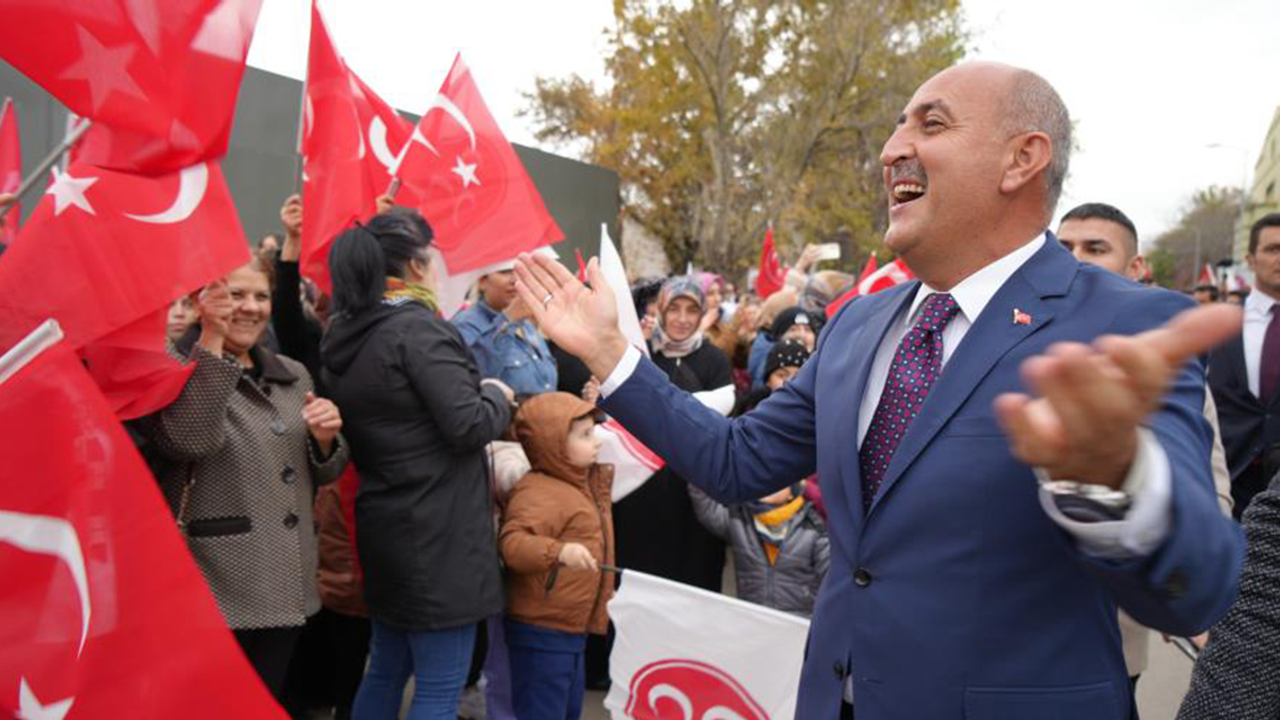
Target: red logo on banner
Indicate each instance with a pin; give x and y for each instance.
(689, 690)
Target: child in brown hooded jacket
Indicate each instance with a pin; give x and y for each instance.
(556, 533)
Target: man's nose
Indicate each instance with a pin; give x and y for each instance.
(896, 148)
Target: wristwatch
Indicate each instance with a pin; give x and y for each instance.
(1084, 502)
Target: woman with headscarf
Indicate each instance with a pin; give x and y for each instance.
(655, 526)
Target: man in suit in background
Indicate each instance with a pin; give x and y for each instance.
(960, 587)
(1244, 374)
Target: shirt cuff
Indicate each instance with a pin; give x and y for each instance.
(626, 366)
(1147, 522)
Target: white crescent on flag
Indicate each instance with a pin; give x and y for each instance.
(378, 142)
(443, 103)
(192, 183)
(43, 535)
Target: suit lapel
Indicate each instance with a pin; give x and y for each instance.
(1233, 355)
(1047, 273)
(862, 349)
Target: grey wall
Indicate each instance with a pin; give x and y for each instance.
(260, 163)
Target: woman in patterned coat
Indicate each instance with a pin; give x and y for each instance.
(240, 451)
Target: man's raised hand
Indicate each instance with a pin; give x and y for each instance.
(1092, 398)
(581, 320)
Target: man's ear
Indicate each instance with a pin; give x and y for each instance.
(1029, 157)
(1137, 268)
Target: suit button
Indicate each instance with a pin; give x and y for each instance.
(1175, 586)
(278, 427)
(287, 474)
(291, 521)
(838, 668)
(861, 577)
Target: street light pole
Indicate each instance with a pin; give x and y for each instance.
(1244, 186)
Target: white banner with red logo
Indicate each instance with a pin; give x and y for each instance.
(683, 653)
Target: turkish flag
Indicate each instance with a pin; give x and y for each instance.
(475, 191)
(1206, 276)
(351, 144)
(159, 79)
(895, 273)
(10, 169)
(134, 369)
(104, 249)
(772, 277)
(105, 614)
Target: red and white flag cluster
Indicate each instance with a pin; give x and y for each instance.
(455, 166)
(97, 582)
(105, 614)
(142, 216)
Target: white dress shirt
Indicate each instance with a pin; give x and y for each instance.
(1149, 481)
(1257, 315)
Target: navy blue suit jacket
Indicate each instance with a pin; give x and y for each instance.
(956, 596)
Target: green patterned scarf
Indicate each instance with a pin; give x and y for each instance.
(399, 289)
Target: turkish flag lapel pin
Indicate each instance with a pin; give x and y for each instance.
(1021, 318)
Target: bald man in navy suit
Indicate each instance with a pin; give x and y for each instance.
(1010, 447)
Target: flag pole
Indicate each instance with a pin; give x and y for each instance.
(29, 348)
(297, 157)
(29, 181)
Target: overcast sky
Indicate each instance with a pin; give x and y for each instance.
(1150, 83)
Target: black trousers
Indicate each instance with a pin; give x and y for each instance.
(327, 665)
(269, 651)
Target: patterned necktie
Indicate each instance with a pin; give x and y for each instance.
(916, 365)
(1269, 368)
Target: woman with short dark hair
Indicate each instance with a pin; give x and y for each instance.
(418, 417)
(238, 454)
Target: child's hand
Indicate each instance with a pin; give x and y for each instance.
(576, 557)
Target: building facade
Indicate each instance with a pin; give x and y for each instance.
(1263, 196)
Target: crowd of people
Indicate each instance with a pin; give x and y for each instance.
(376, 493)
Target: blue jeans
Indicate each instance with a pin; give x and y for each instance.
(548, 675)
(438, 660)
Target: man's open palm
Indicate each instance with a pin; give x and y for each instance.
(581, 320)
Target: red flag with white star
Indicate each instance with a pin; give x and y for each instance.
(104, 254)
(104, 249)
(10, 169)
(475, 191)
(105, 614)
(352, 143)
(159, 78)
